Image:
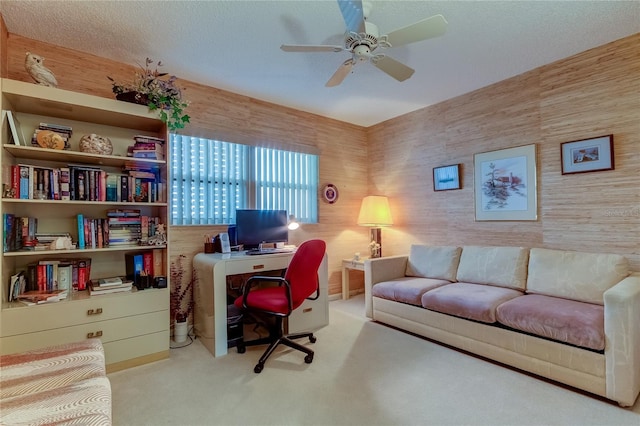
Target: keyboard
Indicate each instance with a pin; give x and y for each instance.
(257, 252)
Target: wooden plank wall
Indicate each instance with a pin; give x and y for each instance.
(591, 94)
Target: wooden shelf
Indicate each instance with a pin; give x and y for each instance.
(79, 203)
(76, 251)
(36, 153)
(53, 102)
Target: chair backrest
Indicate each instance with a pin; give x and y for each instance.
(302, 272)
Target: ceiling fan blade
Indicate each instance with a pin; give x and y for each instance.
(310, 48)
(353, 16)
(434, 26)
(340, 74)
(395, 69)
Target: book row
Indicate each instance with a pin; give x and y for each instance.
(84, 183)
(49, 276)
(21, 233)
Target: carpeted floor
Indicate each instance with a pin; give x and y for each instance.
(363, 373)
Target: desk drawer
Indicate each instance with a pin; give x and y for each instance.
(257, 264)
(107, 331)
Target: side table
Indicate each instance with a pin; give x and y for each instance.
(347, 264)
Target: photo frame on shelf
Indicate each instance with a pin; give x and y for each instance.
(16, 130)
(587, 155)
(446, 178)
(505, 184)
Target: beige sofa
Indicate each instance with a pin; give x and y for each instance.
(567, 316)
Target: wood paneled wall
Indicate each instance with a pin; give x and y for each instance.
(591, 94)
(587, 95)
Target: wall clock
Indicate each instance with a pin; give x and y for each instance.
(330, 193)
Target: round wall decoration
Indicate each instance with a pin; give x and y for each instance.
(330, 193)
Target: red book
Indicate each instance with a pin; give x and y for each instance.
(41, 274)
(147, 263)
(15, 181)
(84, 268)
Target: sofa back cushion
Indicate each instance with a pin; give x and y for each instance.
(499, 266)
(574, 275)
(438, 262)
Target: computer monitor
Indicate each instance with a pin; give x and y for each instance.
(254, 227)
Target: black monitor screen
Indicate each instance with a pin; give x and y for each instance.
(261, 226)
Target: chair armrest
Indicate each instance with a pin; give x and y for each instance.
(379, 270)
(622, 334)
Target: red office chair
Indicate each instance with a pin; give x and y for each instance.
(300, 282)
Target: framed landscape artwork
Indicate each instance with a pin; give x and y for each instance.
(446, 177)
(505, 184)
(587, 155)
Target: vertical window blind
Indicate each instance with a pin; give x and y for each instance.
(210, 179)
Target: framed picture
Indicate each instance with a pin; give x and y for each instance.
(446, 177)
(16, 129)
(505, 184)
(588, 155)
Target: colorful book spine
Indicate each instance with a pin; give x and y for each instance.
(81, 241)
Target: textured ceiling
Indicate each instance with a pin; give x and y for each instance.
(235, 45)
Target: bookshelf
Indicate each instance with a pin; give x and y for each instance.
(133, 326)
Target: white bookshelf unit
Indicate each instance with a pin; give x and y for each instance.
(133, 326)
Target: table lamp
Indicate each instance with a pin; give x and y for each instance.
(375, 213)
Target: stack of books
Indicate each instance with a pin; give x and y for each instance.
(109, 285)
(64, 131)
(39, 297)
(124, 227)
(148, 147)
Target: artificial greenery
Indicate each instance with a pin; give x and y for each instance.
(159, 93)
(181, 297)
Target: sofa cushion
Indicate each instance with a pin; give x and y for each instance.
(569, 321)
(574, 275)
(407, 289)
(471, 301)
(500, 266)
(439, 262)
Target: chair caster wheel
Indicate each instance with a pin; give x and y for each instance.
(308, 359)
(241, 349)
(312, 339)
(258, 368)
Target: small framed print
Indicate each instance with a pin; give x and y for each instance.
(446, 177)
(588, 155)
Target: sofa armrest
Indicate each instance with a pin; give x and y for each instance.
(622, 334)
(378, 270)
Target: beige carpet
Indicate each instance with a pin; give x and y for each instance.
(363, 374)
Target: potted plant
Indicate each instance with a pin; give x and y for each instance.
(181, 299)
(159, 92)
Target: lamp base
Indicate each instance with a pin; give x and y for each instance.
(375, 246)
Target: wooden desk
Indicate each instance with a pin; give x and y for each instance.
(347, 264)
(210, 295)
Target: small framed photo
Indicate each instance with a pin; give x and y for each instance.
(446, 177)
(588, 155)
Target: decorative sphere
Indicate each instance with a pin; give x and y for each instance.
(96, 144)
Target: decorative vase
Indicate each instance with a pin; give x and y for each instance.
(96, 144)
(133, 97)
(180, 331)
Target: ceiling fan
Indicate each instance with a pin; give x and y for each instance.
(362, 38)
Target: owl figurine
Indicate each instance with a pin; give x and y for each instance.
(36, 69)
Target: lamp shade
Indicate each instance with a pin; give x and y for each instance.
(375, 212)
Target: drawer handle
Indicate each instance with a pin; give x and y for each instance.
(258, 267)
(94, 311)
(304, 311)
(91, 335)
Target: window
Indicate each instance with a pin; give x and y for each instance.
(211, 179)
